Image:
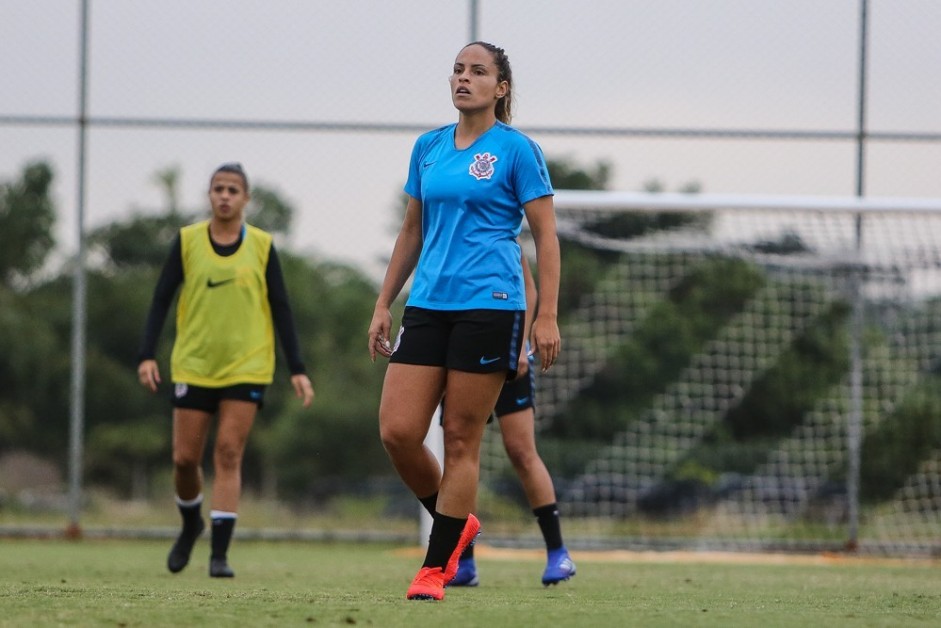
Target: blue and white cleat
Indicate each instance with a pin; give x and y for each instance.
(559, 567)
(466, 575)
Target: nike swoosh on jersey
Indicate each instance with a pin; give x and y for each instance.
(521, 400)
(486, 360)
(215, 284)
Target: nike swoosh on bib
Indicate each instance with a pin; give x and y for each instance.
(215, 284)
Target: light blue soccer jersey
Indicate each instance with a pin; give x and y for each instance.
(472, 212)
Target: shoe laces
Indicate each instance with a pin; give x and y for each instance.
(432, 576)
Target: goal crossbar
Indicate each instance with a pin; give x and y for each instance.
(591, 200)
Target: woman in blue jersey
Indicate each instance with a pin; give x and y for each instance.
(469, 186)
(232, 300)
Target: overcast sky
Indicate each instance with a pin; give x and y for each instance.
(698, 64)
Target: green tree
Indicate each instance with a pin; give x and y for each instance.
(268, 211)
(582, 267)
(338, 436)
(168, 179)
(27, 218)
(565, 174)
(894, 448)
(31, 369)
(663, 343)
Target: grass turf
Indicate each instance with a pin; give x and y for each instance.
(125, 583)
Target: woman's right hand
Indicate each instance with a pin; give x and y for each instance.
(379, 333)
(148, 374)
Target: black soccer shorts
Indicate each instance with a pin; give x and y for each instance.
(207, 399)
(475, 341)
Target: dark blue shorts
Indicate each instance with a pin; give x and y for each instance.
(517, 395)
(207, 399)
(476, 341)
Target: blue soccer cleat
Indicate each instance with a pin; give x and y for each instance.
(466, 574)
(559, 567)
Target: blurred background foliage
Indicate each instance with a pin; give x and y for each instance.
(306, 455)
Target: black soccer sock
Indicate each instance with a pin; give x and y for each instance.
(445, 534)
(191, 513)
(430, 503)
(222, 528)
(550, 525)
(468, 552)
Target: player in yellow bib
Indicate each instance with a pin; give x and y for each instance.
(232, 301)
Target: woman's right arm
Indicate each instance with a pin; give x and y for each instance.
(170, 279)
(405, 254)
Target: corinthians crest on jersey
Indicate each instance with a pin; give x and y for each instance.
(482, 166)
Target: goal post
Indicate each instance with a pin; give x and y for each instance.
(744, 372)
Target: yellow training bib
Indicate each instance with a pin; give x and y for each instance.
(225, 333)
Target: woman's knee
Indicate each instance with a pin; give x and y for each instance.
(462, 442)
(520, 446)
(398, 437)
(521, 457)
(228, 456)
(185, 461)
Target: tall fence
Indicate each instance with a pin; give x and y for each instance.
(322, 102)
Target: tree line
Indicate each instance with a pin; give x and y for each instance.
(295, 454)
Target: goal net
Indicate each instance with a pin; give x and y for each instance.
(742, 373)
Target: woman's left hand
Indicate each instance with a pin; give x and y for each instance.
(546, 340)
(379, 333)
(303, 389)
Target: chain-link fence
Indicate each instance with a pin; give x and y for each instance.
(322, 101)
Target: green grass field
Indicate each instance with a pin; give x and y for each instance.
(124, 583)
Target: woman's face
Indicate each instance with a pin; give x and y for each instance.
(474, 84)
(228, 196)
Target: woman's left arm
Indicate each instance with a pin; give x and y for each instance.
(283, 320)
(546, 339)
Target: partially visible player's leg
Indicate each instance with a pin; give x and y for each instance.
(519, 440)
(518, 430)
(193, 526)
(236, 417)
(190, 430)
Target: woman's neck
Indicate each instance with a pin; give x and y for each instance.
(225, 231)
(472, 126)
